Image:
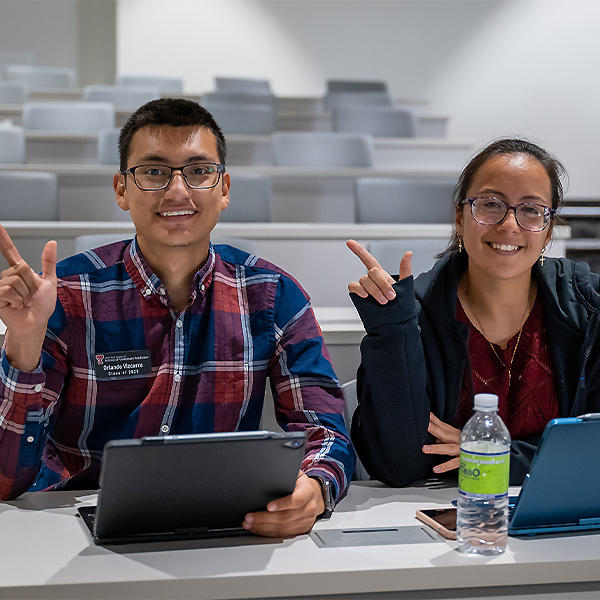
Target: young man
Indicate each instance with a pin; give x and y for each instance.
(204, 327)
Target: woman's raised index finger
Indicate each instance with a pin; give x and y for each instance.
(8, 249)
(363, 254)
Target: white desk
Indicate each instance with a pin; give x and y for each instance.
(53, 147)
(293, 114)
(45, 553)
(318, 196)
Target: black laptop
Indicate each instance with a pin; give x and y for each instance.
(190, 486)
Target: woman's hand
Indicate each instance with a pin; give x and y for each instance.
(377, 282)
(447, 440)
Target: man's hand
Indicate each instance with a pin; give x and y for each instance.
(26, 302)
(377, 282)
(447, 442)
(290, 515)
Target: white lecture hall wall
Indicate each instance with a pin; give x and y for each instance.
(497, 67)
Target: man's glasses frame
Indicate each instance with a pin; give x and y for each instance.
(548, 212)
(219, 167)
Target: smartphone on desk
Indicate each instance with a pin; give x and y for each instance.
(442, 520)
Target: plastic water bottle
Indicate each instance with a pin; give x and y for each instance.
(482, 516)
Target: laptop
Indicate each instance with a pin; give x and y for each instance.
(561, 493)
(196, 486)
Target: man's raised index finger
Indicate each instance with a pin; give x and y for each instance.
(8, 249)
(366, 258)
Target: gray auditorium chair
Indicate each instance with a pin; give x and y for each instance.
(68, 116)
(41, 77)
(389, 253)
(256, 119)
(169, 86)
(355, 85)
(322, 149)
(236, 98)
(378, 121)
(14, 92)
(352, 99)
(108, 146)
(384, 200)
(15, 57)
(351, 402)
(243, 85)
(249, 200)
(12, 144)
(124, 97)
(28, 196)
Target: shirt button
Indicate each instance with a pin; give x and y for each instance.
(177, 377)
(179, 323)
(147, 292)
(202, 287)
(165, 429)
(30, 439)
(38, 387)
(162, 291)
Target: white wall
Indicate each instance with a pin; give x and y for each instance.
(497, 67)
(79, 34)
(48, 28)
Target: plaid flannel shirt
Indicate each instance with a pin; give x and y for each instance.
(207, 368)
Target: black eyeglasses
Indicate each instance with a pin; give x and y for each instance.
(199, 176)
(529, 216)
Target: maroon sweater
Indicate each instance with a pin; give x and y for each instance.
(530, 401)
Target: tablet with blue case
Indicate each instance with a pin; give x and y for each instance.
(561, 493)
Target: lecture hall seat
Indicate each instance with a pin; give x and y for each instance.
(249, 200)
(169, 86)
(389, 200)
(28, 196)
(14, 92)
(68, 116)
(324, 150)
(124, 97)
(243, 85)
(249, 119)
(42, 77)
(378, 121)
(12, 144)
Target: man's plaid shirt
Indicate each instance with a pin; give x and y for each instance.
(247, 320)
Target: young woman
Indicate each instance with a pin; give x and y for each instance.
(493, 315)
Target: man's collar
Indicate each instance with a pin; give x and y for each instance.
(149, 283)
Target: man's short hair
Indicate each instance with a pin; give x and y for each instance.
(174, 112)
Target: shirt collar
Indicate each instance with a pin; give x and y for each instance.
(148, 282)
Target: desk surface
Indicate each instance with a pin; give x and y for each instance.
(45, 552)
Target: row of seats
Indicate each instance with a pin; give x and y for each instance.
(233, 115)
(34, 195)
(65, 77)
(290, 148)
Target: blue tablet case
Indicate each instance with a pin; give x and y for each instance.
(561, 493)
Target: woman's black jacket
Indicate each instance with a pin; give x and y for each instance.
(415, 353)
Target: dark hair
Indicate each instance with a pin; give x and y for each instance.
(554, 168)
(174, 112)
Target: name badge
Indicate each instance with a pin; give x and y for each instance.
(122, 365)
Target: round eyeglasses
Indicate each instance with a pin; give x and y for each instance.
(529, 216)
(198, 176)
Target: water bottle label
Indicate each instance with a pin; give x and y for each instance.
(482, 474)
